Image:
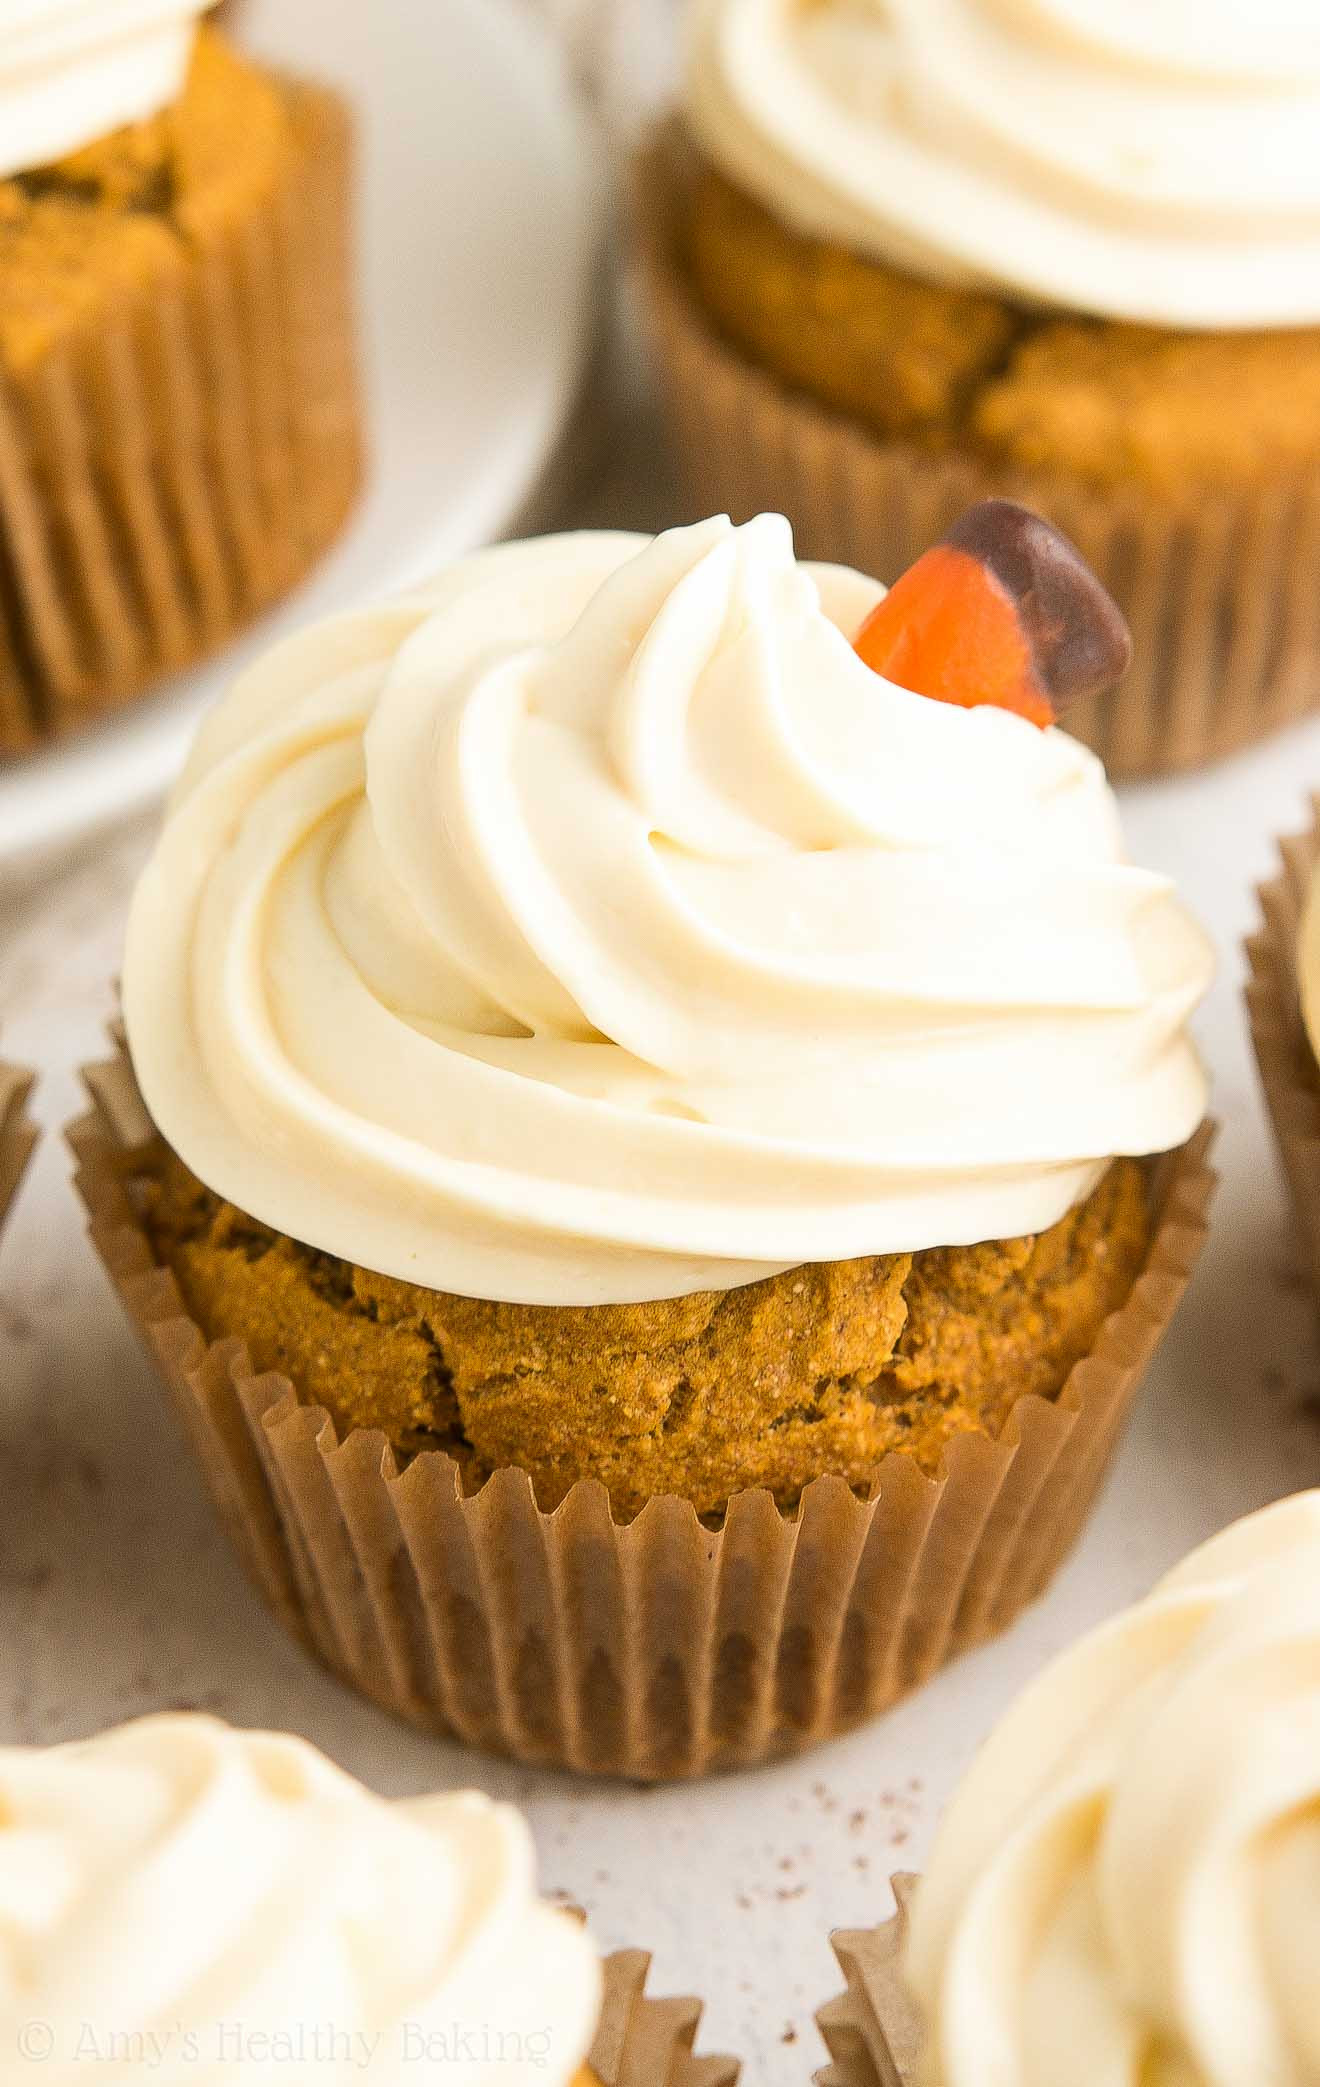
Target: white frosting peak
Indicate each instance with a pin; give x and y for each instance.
(1126, 1888)
(217, 1906)
(595, 926)
(72, 71)
(1140, 159)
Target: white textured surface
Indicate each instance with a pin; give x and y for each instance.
(118, 1594)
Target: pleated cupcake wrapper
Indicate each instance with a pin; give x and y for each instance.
(1220, 594)
(172, 468)
(1289, 1075)
(648, 2043)
(18, 1133)
(662, 1647)
(873, 2030)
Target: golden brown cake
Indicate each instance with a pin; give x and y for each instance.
(1025, 390)
(179, 431)
(121, 212)
(825, 1368)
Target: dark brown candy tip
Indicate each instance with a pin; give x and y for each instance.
(1080, 643)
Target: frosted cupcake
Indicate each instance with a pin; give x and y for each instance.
(178, 401)
(1055, 251)
(1125, 1887)
(604, 1033)
(228, 1906)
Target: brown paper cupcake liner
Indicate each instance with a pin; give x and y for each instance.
(169, 471)
(872, 2030)
(648, 2043)
(1289, 1075)
(661, 1647)
(1221, 596)
(18, 1134)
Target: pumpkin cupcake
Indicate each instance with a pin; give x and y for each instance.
(657, 1050)
(179, 433)
(1124, 1888)
(900, 257)
(227, 1906)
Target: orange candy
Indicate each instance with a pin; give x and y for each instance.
(948, 629)
(1003, 611)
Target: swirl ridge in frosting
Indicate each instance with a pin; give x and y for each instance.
(1130, 1872)
(220, 1906)
(72, 71)
(1136, 161)
(595, 926)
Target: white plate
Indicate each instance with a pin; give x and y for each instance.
(479, 227)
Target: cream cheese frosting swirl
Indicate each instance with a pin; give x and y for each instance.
(1133, 160)
(1126, 1889)
(72, 71)
(596, 927)
(217, 1906)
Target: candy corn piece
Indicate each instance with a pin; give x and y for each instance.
(1002, 611)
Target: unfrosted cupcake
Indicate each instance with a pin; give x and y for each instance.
(1125, 1888)
(179, 433)
(227, 1906)
(604, 1035)
(1069, 253)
